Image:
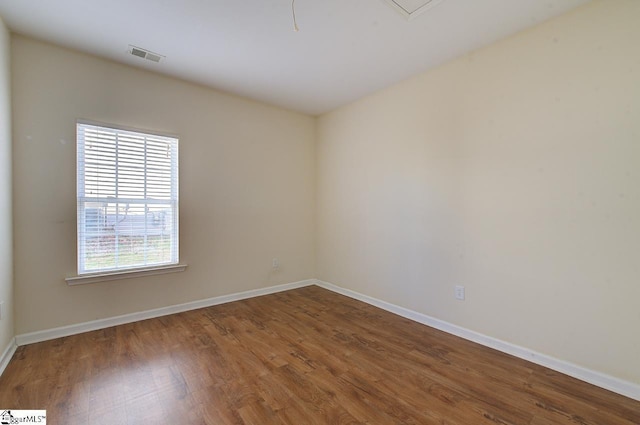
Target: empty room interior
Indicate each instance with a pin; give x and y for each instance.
(320, 212)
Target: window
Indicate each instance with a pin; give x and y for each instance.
(127, 199)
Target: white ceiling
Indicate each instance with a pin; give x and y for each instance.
(345, 49)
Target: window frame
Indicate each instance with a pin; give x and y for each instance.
(121, 272)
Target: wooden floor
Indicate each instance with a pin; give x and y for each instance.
(306, 356)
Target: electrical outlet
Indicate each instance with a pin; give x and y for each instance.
(275, 263)
(460, 292)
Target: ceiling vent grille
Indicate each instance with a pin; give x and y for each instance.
(145, 54)
(412, 8)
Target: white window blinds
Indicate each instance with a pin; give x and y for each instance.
(127, 199)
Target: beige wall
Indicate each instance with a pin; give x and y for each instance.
(6, 239)
(513, 171)
(247, 182)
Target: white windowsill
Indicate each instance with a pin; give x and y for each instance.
(125, 274)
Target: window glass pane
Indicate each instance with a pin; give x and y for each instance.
(127, 199)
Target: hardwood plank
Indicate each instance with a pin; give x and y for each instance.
(306, 356)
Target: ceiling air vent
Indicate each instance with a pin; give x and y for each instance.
(412, 8)
(144, 54)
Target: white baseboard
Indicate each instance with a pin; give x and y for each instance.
(48, 334)
(7, 354)
(625, 388)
